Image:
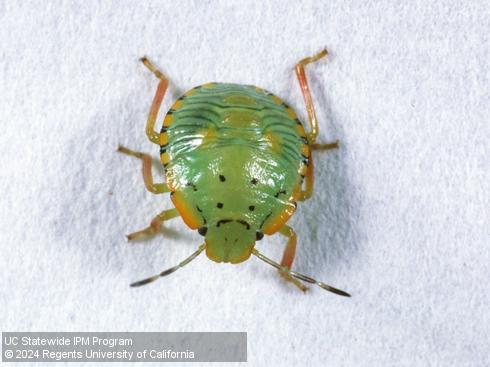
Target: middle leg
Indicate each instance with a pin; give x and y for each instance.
(154, 226)
(158, 188)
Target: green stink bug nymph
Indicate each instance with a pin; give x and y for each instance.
(237, 160)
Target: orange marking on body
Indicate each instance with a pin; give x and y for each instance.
(275, 223)
(296, 192)
(291, 113)
(163, 139)
(190, 92)
(188, 213)
(167, 120)
(177, 104)
(303, 169)
(208, 85)
(305, 150)
(300, 130)
(276, 99)
(165, 158)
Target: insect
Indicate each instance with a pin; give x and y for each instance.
(237, 160)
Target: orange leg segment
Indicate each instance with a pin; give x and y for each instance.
(147, 175)
(327, 146)
(290, 250)
(288, 257)
(303, 82)
(305, 89)
(154, 226)
(312, 135)
(157, 101)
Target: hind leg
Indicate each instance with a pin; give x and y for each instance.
(312, 135)
(310, 108)
(326, 146)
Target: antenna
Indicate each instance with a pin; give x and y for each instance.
(298, 275)
(171, 270)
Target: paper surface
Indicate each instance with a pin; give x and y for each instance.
(400, 213)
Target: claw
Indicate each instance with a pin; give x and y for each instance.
(284, 272)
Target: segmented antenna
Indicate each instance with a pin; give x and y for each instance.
(299, 275)
(171, 270)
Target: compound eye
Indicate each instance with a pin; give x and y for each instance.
(203, 230)
(259, 235)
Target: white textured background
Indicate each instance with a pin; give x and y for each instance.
(400, 216)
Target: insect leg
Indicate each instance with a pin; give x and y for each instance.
(157, 100)
(309, 179)
(327, 146)
(154, 226)
(290, 250)
(156, 188)
(303, 82)
(288, 257)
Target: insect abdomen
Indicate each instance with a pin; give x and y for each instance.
(216, 114)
